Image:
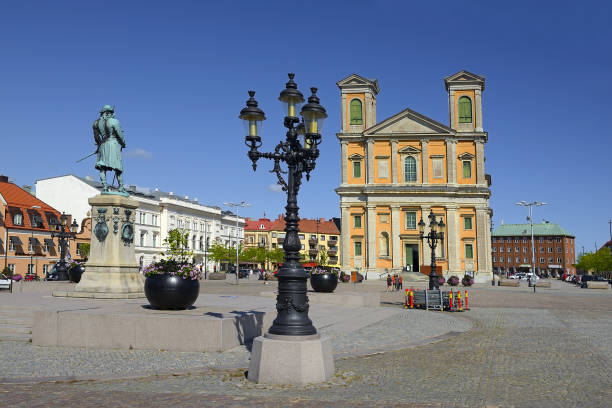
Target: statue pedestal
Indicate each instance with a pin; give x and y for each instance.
(111, 271)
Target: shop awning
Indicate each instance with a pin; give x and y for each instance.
(15, 241)
(49, 242)
(34, 241)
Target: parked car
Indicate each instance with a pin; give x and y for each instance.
(517, 276)
(586, 278)
(5, 282)
(243, 273)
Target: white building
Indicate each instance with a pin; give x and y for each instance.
(158, 212)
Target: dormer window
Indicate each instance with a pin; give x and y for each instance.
(17, 219)
(262, 226)
(356, 112)
(465, 110)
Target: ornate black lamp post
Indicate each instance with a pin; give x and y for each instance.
(59, 231)
(436, 233)
(299, 151)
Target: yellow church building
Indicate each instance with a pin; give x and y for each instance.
(397, 171)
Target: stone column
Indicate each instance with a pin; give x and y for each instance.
(371, 237)
(480, 167)
(425, 160)
(344, 126)
(344, 161)
(481, 240)
(425, 209)
(345, 238)
(452, 239)
(478, 123)
(451, 161)
(370, 161)
(395, 237)
(394, 161)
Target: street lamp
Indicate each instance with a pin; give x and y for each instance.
(436, 234)
(530, 218)
(236, 205)
(299, 151)
(205, 249)
(59, 231)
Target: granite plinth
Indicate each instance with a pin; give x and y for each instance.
(298, 360)
(135, 326)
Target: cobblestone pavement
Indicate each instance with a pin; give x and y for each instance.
(549, 349)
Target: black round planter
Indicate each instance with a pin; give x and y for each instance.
(75, 273)
(166, 291)
(323, 282)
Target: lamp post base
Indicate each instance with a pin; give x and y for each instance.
(310, 356)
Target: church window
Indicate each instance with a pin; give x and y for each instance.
(357, 221)
(384, 244)
(465, 110)
(357, 248)
(409, 169)
(467, 223)
(356, 112)
(410, 220)
(467, 169)
(356, 169)
(469, 251)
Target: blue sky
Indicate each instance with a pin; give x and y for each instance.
(178, 73)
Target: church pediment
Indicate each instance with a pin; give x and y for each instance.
(409, 122)
(464, 77)
(357, 81)
(355, 156)
(466, 156)
(409, 150)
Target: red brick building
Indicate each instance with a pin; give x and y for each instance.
(26, 244)
(554, 249)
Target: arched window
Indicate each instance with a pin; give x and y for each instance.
(193, 242)
(384, 244)
(465, 110)
(356, 112)
(410, 169)
(201, 243)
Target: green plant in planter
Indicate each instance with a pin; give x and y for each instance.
(453, 280)
(177, 261)
(7, 272)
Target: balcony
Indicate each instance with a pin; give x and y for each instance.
(313, 241)
(332, 251)
(313, 251)
(332, 242)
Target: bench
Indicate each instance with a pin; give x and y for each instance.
(597, 285)
(509, 282)
(543, 284)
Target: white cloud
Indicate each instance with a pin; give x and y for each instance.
(139, 153)
(276, 188)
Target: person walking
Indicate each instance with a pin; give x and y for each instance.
(389, 281)
(393, 283)
(400, 282)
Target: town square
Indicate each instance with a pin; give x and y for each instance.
(202, 206)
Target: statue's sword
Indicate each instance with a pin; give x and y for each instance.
(89, 155)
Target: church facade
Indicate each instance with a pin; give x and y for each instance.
(401, 169)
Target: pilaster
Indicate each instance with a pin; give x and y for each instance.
(452, 239)
(481, 239)
(343, 126)
(451, 161)
(478, 123)
(345, 238)
(371, 236)
(425, 210)
(344, 161)
(451, 109)
(425, 160)
(394, 161)
(395, 237)
(480, 167)
(370, 161)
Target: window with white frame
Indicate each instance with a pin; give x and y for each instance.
(467, 223)
(411, 222)
(143, 235)
(410, 169)
(493, 249)
(466, 169)
(469, 251)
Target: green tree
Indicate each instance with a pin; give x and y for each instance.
(322, 257)
(277, 255)
(85, 248)
(176, 244)
(599, 263)
(218, 252)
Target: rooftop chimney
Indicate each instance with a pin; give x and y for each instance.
(3, 179)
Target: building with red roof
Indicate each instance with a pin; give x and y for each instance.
(26, 245)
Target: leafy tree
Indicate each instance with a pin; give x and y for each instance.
(600, 262)
(218, 252)
(322, 257)
(277, 255)
(85, 248)
(177, 245)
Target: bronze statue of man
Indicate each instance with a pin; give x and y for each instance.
(109, 139)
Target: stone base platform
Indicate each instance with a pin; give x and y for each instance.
(310, 356)
(508, 282)
(339, 298)
(597, 285)
(99, 295)
(135, 326)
